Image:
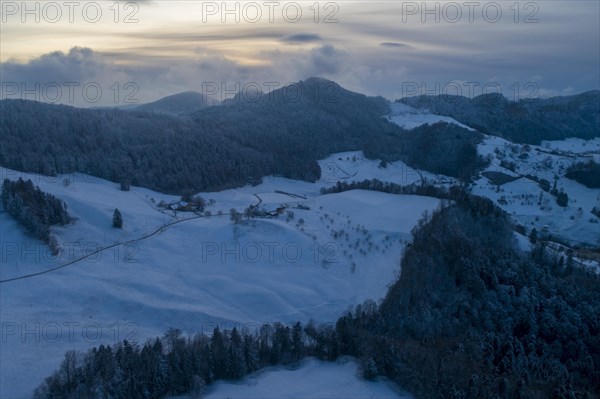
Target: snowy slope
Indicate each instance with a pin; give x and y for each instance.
(528, 203)
(353, 166)
(409, 118)
(523, 198)
(314, 379)
(574, 145)
(199, 272)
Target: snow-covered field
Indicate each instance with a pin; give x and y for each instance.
(314, 379)
(200, 272)
(409, 118)
(578, 146)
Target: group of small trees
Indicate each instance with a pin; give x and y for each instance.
(235, 216)
(587, 174)
(562, 199)
(249, 213)
(37, 210)
(193, 203)
(33, 208)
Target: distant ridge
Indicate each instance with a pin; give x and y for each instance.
(284, 133)
(177, 104)
(526, 121)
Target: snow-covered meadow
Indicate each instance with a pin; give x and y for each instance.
(199, 273)
(314, 379)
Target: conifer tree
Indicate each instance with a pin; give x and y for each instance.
(117, 219)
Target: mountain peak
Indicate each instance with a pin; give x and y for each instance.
(317, 79)
(320, 82)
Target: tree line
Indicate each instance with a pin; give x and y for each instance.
(454, 192)
(175, 364)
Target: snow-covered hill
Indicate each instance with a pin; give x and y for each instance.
(409, 118)
(328, 257)
(528, 203)
(522, 167)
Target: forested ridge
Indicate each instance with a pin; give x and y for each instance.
(524, 121)
(156, 151)
(283, 133)
(177, 104)
(280, 133)
(470, 316)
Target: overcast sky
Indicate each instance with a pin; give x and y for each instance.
(143, 50)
